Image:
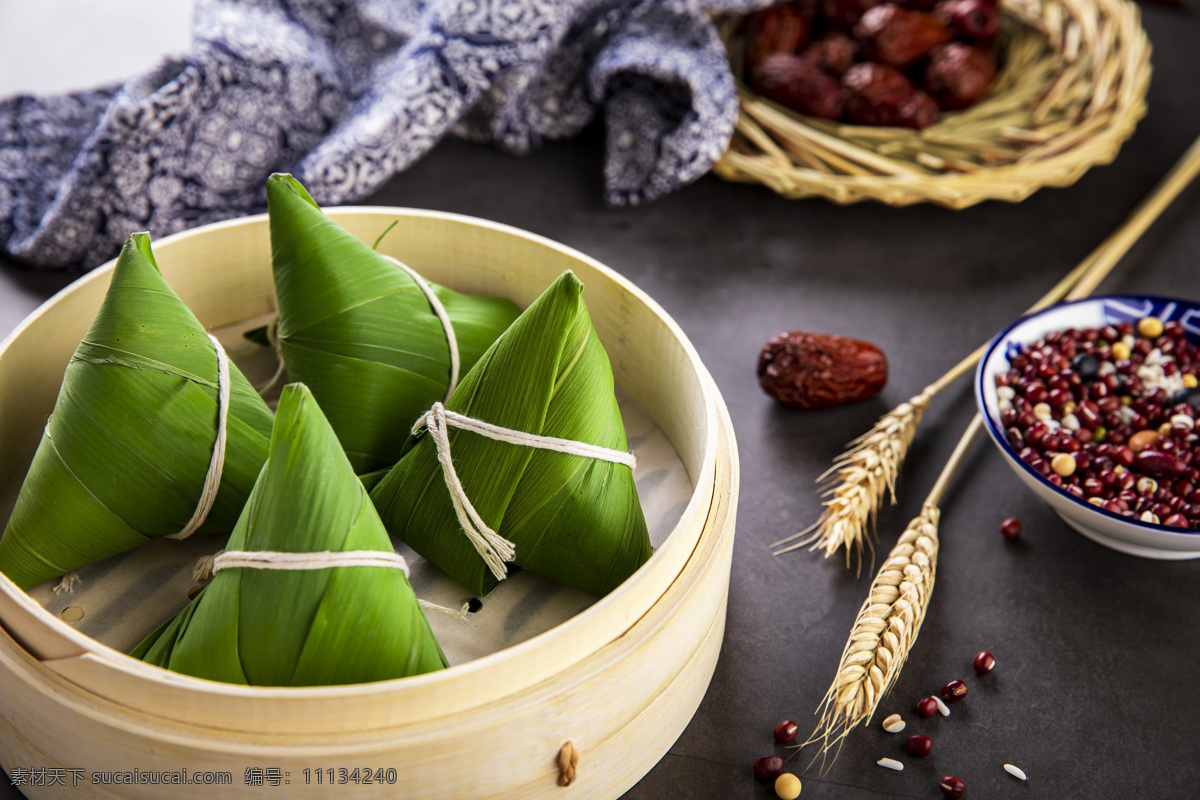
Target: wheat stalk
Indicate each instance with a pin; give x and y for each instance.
(859, 480)
(890, 619)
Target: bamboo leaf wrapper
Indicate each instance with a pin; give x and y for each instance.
(360, 332)
(577, 520)
(334, 625)
(127, 448)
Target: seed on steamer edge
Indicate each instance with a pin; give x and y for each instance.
(890, 763)
(893, 724)
(1016, 772)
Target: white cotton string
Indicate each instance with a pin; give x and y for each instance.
(491, 546)
(440, 310)
(456, 613)
(269, 559)
(216, 464)
(66, 584)
(273, 341)
(568, 446)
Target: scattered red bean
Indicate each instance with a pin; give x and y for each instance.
(767, 768)
(954, 690)
(919, 745)
(1011, 528)
(786, 731)
(984, 662)
(952, 786)
(927, 707)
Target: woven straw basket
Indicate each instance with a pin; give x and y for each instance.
(1069, 92)
(619, 680)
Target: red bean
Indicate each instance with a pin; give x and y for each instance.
(767, 768)
(919, 745)
(1011, 528)
(954, 690)
(952, 786)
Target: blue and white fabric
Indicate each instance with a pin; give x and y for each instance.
(347, 93)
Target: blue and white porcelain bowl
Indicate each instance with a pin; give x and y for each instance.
(1126, 534)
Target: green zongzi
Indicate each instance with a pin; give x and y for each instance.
(309, 591)
(374, 342)
(154, 434)
(526, 463)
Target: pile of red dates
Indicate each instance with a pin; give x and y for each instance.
(870, 62)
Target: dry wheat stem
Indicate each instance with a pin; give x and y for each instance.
(890, 619)
(859, 480)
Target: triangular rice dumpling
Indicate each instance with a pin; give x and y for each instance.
(301, 627)
(571, 518)
(359, 331)
(129, 445)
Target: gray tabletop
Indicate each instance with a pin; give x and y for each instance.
(1095, 693)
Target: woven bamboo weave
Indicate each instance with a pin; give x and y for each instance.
(1069, 92)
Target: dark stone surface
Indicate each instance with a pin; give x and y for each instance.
(1095, 691)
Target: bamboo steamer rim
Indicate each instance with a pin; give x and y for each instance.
(620, 709)
(1075, 94)
(82, 660)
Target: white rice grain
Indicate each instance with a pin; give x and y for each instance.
(942, 707)
(1016, 772)
(891, 763)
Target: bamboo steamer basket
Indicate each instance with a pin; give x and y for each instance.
(1069, 92)
(619, 681)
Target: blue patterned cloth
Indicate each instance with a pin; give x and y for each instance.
(346, 93)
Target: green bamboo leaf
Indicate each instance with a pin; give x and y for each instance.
(360, 333)
(311, 627)
(575, 519)
(125, 453)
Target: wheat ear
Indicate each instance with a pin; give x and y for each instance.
(890, 619)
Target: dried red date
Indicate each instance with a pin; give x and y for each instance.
(844, 13)
(791, 81)
(957, 75)
(818, 370)
(898, 36)
(833, 53)
(785, 28)
(877, 94)
(973, 20)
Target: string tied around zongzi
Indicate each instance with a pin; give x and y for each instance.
(443, 317)
(326, 559)
(434, 303)
(216, 465)
(493, 548)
